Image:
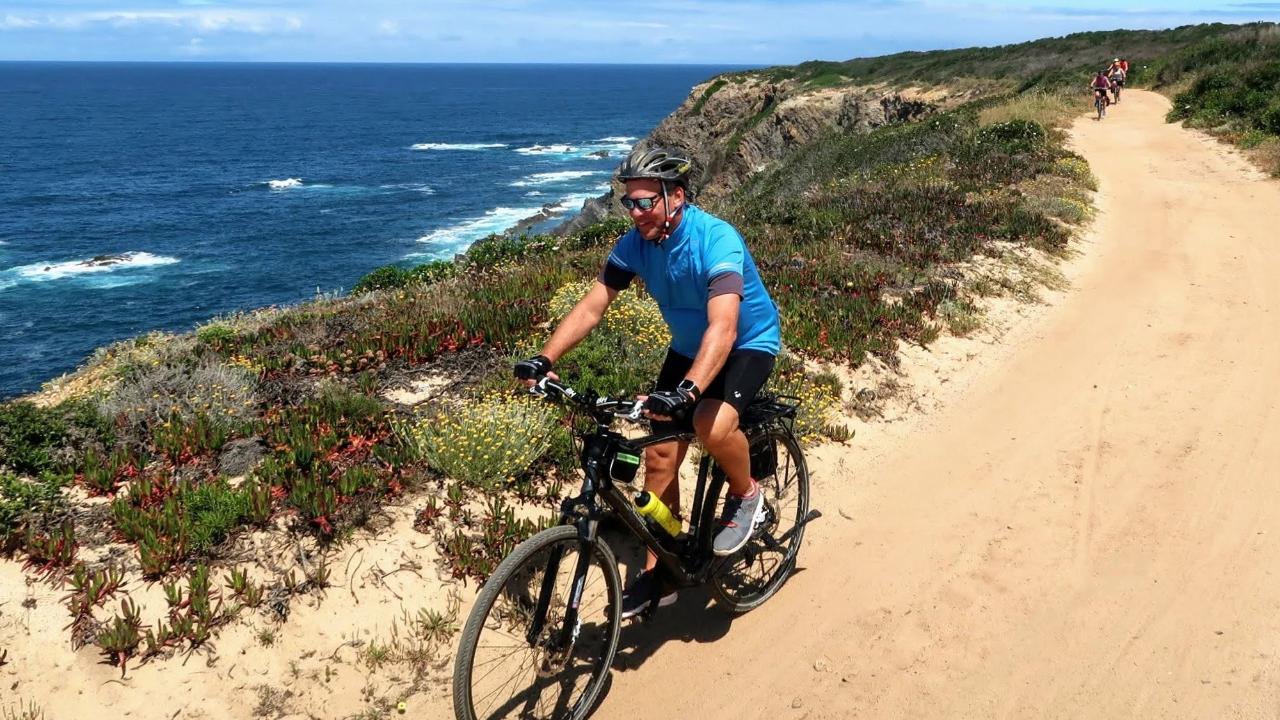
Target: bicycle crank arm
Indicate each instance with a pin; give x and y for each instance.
(776, 544)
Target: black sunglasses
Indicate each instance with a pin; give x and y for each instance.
(645, 203)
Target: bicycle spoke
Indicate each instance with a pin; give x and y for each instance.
(511, 677)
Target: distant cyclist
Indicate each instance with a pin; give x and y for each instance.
(725, 335)
(1101, 85)
(1117, 75)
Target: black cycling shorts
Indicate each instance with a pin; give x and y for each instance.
(743, 375)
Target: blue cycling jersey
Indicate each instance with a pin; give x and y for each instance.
(678, 273)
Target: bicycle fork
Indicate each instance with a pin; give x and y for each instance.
(559, 645)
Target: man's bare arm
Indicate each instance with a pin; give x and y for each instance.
(580, 321)
(717, 341)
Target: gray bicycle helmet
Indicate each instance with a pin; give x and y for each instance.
(656, 164)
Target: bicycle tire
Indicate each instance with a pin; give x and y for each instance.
(788, 487)
(514, 578)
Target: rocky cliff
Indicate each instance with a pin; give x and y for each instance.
(736, 124)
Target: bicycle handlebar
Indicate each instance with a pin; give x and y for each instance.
(600, 407)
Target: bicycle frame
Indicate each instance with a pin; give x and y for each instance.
(691, 564)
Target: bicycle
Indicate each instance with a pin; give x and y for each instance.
(1100, 102)
(1116, 86)
(538, 612)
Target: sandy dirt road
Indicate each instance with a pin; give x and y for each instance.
(1089, 529)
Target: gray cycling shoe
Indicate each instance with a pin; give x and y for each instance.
(737, 522)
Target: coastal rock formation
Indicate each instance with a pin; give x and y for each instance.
(735, 125)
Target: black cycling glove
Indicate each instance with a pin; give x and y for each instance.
(673, 403)
(533, 368)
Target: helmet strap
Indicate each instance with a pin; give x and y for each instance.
(670, 215)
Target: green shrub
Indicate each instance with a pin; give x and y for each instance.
(817, 395)
(1015, 136)
(485, 442)
(433, 271)
(625, 351)
(604, 232)
(214, 509)
(21, 499)
(215, 334)
(31, 437)
(383, 278)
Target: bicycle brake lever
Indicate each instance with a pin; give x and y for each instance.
(539, 389)
(637, 411)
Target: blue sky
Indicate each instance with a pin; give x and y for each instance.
(756, 32)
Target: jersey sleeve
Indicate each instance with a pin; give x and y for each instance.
(725, 257)
(614, 276)
(621, 266)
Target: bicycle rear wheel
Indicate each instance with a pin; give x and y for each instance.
(500, 672)
(749, 578)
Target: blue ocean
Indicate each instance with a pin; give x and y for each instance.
(222, 187)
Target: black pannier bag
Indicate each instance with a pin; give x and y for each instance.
(764, 457)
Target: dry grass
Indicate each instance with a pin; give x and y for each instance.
(107, 366)
(1266, 155)
(1050, 109)
(29, 711)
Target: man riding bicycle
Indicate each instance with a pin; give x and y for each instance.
(725, 336)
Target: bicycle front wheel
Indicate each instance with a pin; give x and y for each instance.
(504, 669)
(753, 575)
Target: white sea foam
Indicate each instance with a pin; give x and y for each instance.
(456, 146)
(98, 264)
(549, 178)
(547, 150)
(533, 193)
(92, 270)
(455, 238)
(284, 184)
(616, 139)
(574, 202)
(415, 187)
(448, 241)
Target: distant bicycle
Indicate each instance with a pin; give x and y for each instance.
(541, 638)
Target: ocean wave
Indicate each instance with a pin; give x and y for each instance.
(284, 184)
(455, 238)
(414, 187)
(598, 149)
(94, 266)
(548, 150)
(574, 202)
(549, 178)
(457, 146)
(448, 241)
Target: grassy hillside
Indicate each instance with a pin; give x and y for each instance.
(1047, 62)
(1228, 83)
(282, 421)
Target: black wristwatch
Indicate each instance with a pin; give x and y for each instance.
(687, 387)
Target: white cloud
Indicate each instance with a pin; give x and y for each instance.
(258, 22)
(13, 22)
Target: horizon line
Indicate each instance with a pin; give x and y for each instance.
(391, 62)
